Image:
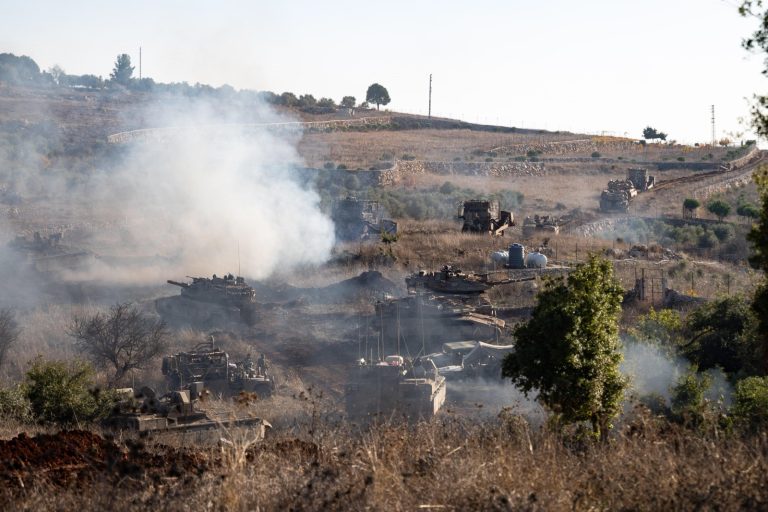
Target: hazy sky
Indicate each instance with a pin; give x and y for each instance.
(608, 65)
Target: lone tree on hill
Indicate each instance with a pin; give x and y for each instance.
(123, 339)
(719, 208)
(689, 208)
(569, 351)
(123, 71)
(651, 133)
(377, 94)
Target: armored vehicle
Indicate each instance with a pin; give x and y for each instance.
(395, 387)
(470, 359)
(545, 224)
(211, 366)
(640, 179)
(47, 253)
(206, 301)
(358, 219)
(482, 216)
(450, 280)
(617, 196)
(173, 412)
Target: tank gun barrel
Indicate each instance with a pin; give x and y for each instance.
(176, 283)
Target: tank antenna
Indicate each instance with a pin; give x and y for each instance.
(238, 259)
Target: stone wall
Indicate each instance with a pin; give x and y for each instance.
(402, 169)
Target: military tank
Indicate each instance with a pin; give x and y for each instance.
(617, 196)
(394, 388)
(210, 301)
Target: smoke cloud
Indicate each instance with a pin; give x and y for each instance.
(206, 196)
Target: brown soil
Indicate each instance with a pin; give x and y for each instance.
(75, 457)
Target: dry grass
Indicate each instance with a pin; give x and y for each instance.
(448, 464)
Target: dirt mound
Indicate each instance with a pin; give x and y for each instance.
(366, 283)
(76, 456)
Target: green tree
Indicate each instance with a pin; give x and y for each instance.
(569, 351)
(748, 210)
(688, 402)
(651, 133)
(123, 340)
(348, 102)
(59, 392)
(689, 208)
(307, 100)
(719, 208)
(326, 102)
(721, 334)
(289, 99)
(123, 71)
(750, 403)
(377, 94)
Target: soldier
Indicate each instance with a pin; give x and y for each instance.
(261, 364)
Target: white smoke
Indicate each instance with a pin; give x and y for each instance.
(207, 196)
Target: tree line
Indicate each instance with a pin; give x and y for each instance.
(23, 70)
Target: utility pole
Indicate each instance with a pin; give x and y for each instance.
(713, 126)
(139, 63)
(430, 96)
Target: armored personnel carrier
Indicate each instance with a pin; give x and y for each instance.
(482, 216)
(211, 366)
(210, 301)
(395, 387)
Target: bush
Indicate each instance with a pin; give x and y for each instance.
(15, 405)
(750, 407)
(59, 392)
(688, 403)
(329, 165)
(723, 232)
(407, 157)
(352, 182)
(680, 159)
(707, 241)
(448, 188)
(595, 154)
(341, 167)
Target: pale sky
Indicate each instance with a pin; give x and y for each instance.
(589, 66)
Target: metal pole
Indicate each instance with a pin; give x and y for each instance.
(430, 96)
(139, 63)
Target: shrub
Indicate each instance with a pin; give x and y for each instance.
(328, 165)
(15, 405)
(723, 232)
(341, 167)
(707, 241)
(595, 154)
(448, 188)
(688, 403)
(59, 392)
(489, 159)
(750, 407)
(681, 159)
(519, 159)
(352, 182)
(408, 157)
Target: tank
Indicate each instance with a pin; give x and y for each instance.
(617, 196)
(516, 256)
(448, 280)
(210, 301)
(535, 260)
(211, 366)
(394, 388)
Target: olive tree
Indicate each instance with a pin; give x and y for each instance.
(719, 208)
(122, 339)
(568, 352)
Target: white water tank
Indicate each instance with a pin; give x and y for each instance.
(535, 260)
(499, 258)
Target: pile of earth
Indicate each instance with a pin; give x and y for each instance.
(368, 283)
(76, 456)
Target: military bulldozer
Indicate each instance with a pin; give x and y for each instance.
(210, 365)
(210, 301)
(358, 219)
(640, 179)
(482, 216)
(143, 411)
(617, 196)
